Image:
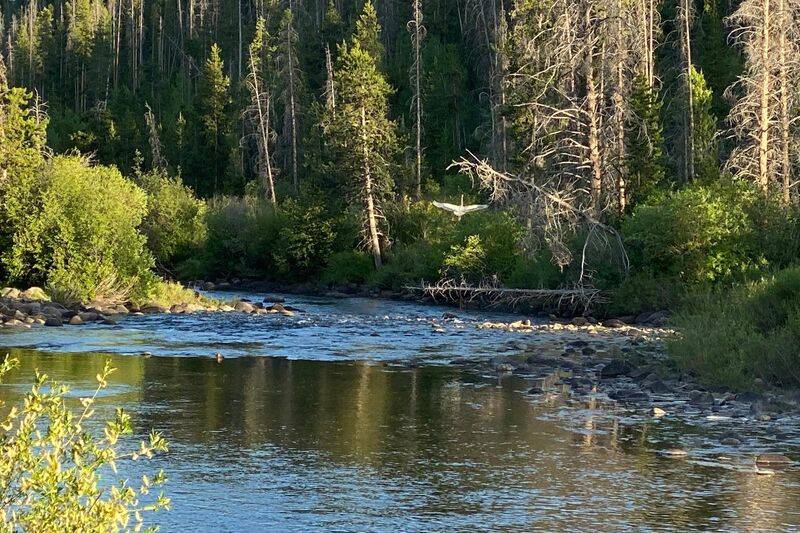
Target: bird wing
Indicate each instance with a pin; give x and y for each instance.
(471, 208)
(446, 206)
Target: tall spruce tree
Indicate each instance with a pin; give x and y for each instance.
(215, 101)
(361, 138)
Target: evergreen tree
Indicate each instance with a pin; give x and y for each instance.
(361, 139)
(215, 101)
(645, 148)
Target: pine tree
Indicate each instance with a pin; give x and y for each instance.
(645, 145)
(215, 101)
(361, 139)
(260, 86)
(291, 90)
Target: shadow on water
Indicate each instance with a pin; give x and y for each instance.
(261, 443)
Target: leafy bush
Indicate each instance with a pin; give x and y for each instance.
(80, 237)
(408, 265)
(643, 292)
(348, 267)
(50, 465)
(465, 261)
(305, 239)
(698, 234)
(241, 234)
(730, 338)
(175, 224)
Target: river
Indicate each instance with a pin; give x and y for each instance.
(349, 417)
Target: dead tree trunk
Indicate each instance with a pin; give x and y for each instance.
(372, 215)
(685, 16)
(784, 19)
(417, 34)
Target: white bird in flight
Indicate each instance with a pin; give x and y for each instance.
(460, 210)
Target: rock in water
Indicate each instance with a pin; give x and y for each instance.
(613, 323)
(244, 307)
(54, 322)
(75, 321)
(658, 412)
(674, 452)
(773, 459)
(616, 368)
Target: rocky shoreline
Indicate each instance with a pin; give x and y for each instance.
(32, 307)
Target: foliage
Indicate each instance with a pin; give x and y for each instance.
(347, 267)
(175, 221)
(304, 241)
(22, 138)
(466, 261)
(52, 468)
(80, 237)
(752, 331)
(698, 234)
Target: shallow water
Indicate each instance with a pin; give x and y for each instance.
(310, 423)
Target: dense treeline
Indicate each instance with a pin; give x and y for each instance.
(311, 130)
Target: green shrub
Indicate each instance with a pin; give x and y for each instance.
(409, 265)
(643, 292)
(50, 465)
(699, 234)
(465, 261)
(305, 239)
(730, 338)
(175, 224)
(348, 267)
(241, 235)
(80, 236)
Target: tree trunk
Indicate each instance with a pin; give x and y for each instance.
(292, 105)
(785, 120)
(416, 37)
(619, 110)
(596, 180)
(372, 216)
(688, 130)
(763, 126)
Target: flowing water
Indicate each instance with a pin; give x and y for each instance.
(348, 417)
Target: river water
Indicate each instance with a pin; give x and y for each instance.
(349, 417)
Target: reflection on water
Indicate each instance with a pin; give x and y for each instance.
(261, 443)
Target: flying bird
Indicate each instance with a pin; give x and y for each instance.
(460, 210)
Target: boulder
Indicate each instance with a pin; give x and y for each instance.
(613, 323)
(449, 316)
(629, 396)
(701, 398)
(34, 293)
(154, 309)
(286, 312)
(32, 308)
(14, 323)
(76, 321)
(580, 321)
(53, 322)
(89, 316)
(208, 286)
(226, 308)
(19, 315)
(773, 459)
(616, 368)
(244, 307)
(10, 292)
(121, 310)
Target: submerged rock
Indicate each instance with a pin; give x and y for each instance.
(616, 368)
(773, 459)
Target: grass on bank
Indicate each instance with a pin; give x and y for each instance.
(751, 332)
